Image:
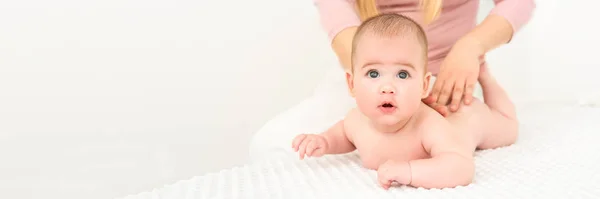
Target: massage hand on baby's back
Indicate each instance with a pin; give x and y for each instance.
(392, 130)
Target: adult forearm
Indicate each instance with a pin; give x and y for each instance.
(493, 32)
(445, 171)
(342, 46)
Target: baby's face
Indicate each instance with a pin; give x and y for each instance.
(388, 80)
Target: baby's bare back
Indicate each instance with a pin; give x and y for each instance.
(482, 124)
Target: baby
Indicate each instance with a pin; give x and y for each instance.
(394, 132)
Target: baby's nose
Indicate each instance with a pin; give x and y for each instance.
(387, 89)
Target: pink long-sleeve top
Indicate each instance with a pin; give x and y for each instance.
(458, 17)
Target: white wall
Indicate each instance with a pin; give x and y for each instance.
(115, 97)
(566, 52)
(554, 56)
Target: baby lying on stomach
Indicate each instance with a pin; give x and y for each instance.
(394, 132)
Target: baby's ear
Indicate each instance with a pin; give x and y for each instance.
(350, 83)
(426, 81)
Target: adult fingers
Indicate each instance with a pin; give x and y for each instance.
(446, 92)
(429, 100)
(443, 110)
(469, 89)
(457, 94)
(437, 88)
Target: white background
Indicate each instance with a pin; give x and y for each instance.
(106, 98)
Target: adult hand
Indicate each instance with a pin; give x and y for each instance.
(457, 77)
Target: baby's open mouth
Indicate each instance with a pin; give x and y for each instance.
(387, 105)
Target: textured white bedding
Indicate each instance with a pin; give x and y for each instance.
(556, 156)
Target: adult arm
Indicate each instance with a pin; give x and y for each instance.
(503, 22)
(458, 73)
(340, 20)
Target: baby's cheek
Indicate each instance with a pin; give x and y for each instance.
(412, 100)
(363, 99)
(409, 98)
(363, 92)
(365, 102)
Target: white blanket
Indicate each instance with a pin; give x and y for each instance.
(556, 156)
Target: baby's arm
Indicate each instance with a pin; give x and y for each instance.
(451, 163)
(337, 139)
(333, 141)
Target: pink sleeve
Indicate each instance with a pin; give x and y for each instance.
(336, 15)
(517, 12)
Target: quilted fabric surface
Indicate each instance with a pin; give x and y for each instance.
(556, 156)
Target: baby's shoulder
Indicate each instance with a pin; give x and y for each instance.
(355, 121)
(435, 130)
(431, 123)
(353, 117)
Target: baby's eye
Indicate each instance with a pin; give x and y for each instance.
(373, 74)
(403, 75)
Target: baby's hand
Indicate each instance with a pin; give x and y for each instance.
(393, 171)
(311, 145)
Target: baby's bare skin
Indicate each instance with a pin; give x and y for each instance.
(398, 135)
(424, 136)
(475, 126)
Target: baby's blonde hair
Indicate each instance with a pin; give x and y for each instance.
(431, 9)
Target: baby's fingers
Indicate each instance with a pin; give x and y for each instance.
(316, 148)
(297, 141)
(311, 147)
(384, 182)
(302, 148)
(385, 185)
